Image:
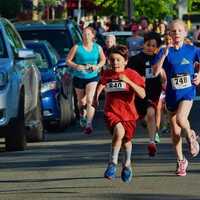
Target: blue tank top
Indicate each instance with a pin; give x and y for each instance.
(179, 68)
(84, 57)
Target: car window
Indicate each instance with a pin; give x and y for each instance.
(76, 37)
(53, 54)
(13, 38)
(3, 51)
(41, 52)
(57, 38)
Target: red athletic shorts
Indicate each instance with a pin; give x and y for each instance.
(129, 126)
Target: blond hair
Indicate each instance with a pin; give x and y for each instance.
(178, 21)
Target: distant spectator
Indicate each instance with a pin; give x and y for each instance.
(196, 34)
(135, 42)
(113, 24)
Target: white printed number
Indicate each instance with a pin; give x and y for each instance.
(149, 73)
(181, 82)
(116, 86)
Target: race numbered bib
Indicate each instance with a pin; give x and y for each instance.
(181, 81)
(149, 73)
(116, 86)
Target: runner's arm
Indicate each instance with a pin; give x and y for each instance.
(140, 91)
(70, 57)
(157, 67)
(99, 89)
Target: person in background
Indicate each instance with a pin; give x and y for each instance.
(121, 85)
(86, 59)
(109, 43)
(135, 42)
(142, 63)
(181, 65)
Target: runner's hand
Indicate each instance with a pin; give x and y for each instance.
(196, 80)
(124, 78)
(165, 51)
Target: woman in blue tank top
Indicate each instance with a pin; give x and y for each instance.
(178, 62)
(86, 59)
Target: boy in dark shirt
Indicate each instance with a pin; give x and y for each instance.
(153, 86)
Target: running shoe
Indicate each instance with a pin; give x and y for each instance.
(110, 172)
(88, 129)
(157, 138)
(83, 121)
(152, 149)
(126, 174)
(193, 144)
(181, 167)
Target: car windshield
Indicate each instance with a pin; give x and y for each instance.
(57, 38)
(3, 51)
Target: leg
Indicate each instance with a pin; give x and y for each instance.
(158, 113)
(151, 123)
(176, 136)
(126, 173)
(151, 126)
(81, 99)
(182, 119)
(90, 92)
(118, 134)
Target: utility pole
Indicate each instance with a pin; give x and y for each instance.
(130, 9)
(182, 8)
(35, 10)
(79, 12)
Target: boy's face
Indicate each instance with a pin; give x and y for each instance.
(150, 47)
(117, 62)
(178, 32)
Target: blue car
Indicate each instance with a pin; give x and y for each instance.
(56, 91)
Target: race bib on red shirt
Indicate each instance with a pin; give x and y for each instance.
(116, 86)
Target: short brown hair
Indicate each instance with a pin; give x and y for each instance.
(120, 49)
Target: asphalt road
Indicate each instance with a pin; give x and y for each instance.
(70, 166)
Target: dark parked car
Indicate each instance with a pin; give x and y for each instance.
(20, 81)
(56, 93)
(61, 35)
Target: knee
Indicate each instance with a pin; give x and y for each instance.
(151, 114)
(89, 101)
(181, 121)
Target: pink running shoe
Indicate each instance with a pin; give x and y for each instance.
(181, 167)
(193, 144)
(152, 149)
(88, 130)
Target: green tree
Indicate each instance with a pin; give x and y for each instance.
(153, 9)
(194, 6)
(9, 9)
(110, 7)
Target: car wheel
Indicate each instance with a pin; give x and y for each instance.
(16, 135)
(65, 113)
(36, 133)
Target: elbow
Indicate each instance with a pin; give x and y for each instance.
(143, 95)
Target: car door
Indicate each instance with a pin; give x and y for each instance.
(22, 67)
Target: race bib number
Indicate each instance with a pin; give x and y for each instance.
(181, 81)
(149, 73)
(116, 86)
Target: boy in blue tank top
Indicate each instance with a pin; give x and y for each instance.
(178, 62)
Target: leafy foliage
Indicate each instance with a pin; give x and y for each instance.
(153, 9)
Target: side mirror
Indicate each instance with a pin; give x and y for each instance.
(61, 63)
(25, 54)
